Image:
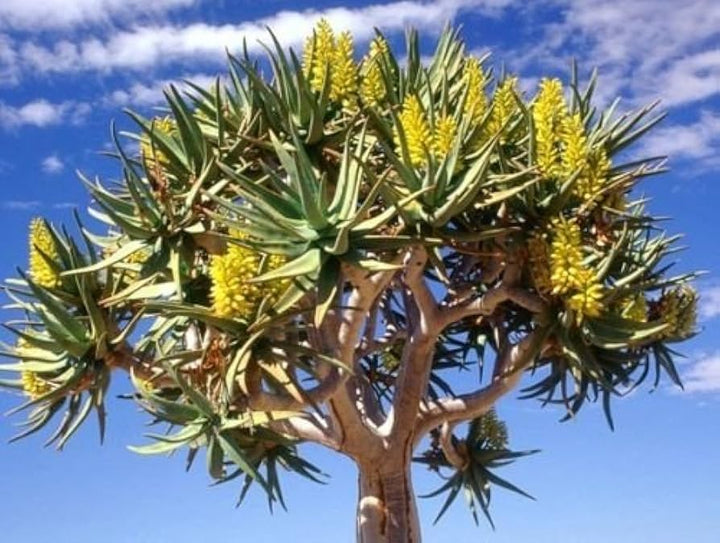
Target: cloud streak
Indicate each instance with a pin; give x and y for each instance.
(52, 164)
(154, 45)
(704, 375)
(41, 113)
(63, 14)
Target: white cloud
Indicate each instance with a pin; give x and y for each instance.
(709, 302)
(8, 61)
(698, 141)
(153, 45)
(41, 113)
(52, 164)
(20, 205)
(151, 94)
(39, 15)
(703, 375)
(644, 48)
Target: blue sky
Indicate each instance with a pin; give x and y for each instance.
(68, 67)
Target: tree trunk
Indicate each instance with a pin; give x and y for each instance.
(386, 504)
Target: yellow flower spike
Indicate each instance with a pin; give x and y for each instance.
(678, 309)
(417, 131)
(549, 113)
(566, 256)
(307, 56)
(372, 88)
(344, 72)
(41, 242)
(587, 301)
(539, 263)
(33, 385)
(476, 102)
(323, 51)
(504, 105)
(635, 308)
(574, 156)
(591, 181)
(444, 136)
(150, 155)
(232, 294)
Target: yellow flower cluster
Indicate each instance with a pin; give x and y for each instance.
(587, 300)
(42, 243)
(493, 431)
(593, 164)
(569, 276)
(420, 138)
(549, 112)
(151, 156)
(635, 308)
(678, 309)
(232, 293)
(344, 79)
(476, 102)
(539, 263)
(372, 88)
(566, 255)
(33, 385)
(444, 136)
(504, 105)
(325, 55)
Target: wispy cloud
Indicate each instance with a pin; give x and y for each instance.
(151, 94)
(36, 113)
(20, 205)
(709, 302)
(55, 14)
(153, 45)
(42, 113)
(697, 141)
(703, 375)
(646, 48)
(52, 164)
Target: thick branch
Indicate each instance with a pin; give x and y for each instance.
(488, 302)
(417, 356)
(450, 450)
(353, 405)
(309, 427)
(512, 364)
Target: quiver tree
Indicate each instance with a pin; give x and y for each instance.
(321, 255)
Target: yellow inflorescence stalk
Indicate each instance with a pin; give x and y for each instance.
(344, 72)
(587, 300)
(569, 276)
(150, 154)
(566, 255)
(41, 242)
(372, 88)
(319, 55)
(593, 165)
(418, 136)
(444, 136)
(232, 293)
(504, 105)
(539, 260)
(574, 156)
(476, 102)
(678, 309)
(635, 308)
(493, 430)
(549, 113)
(33, 385)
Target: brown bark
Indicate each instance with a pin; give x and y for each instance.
(386, 503)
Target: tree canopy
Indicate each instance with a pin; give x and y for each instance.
(357, 253)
